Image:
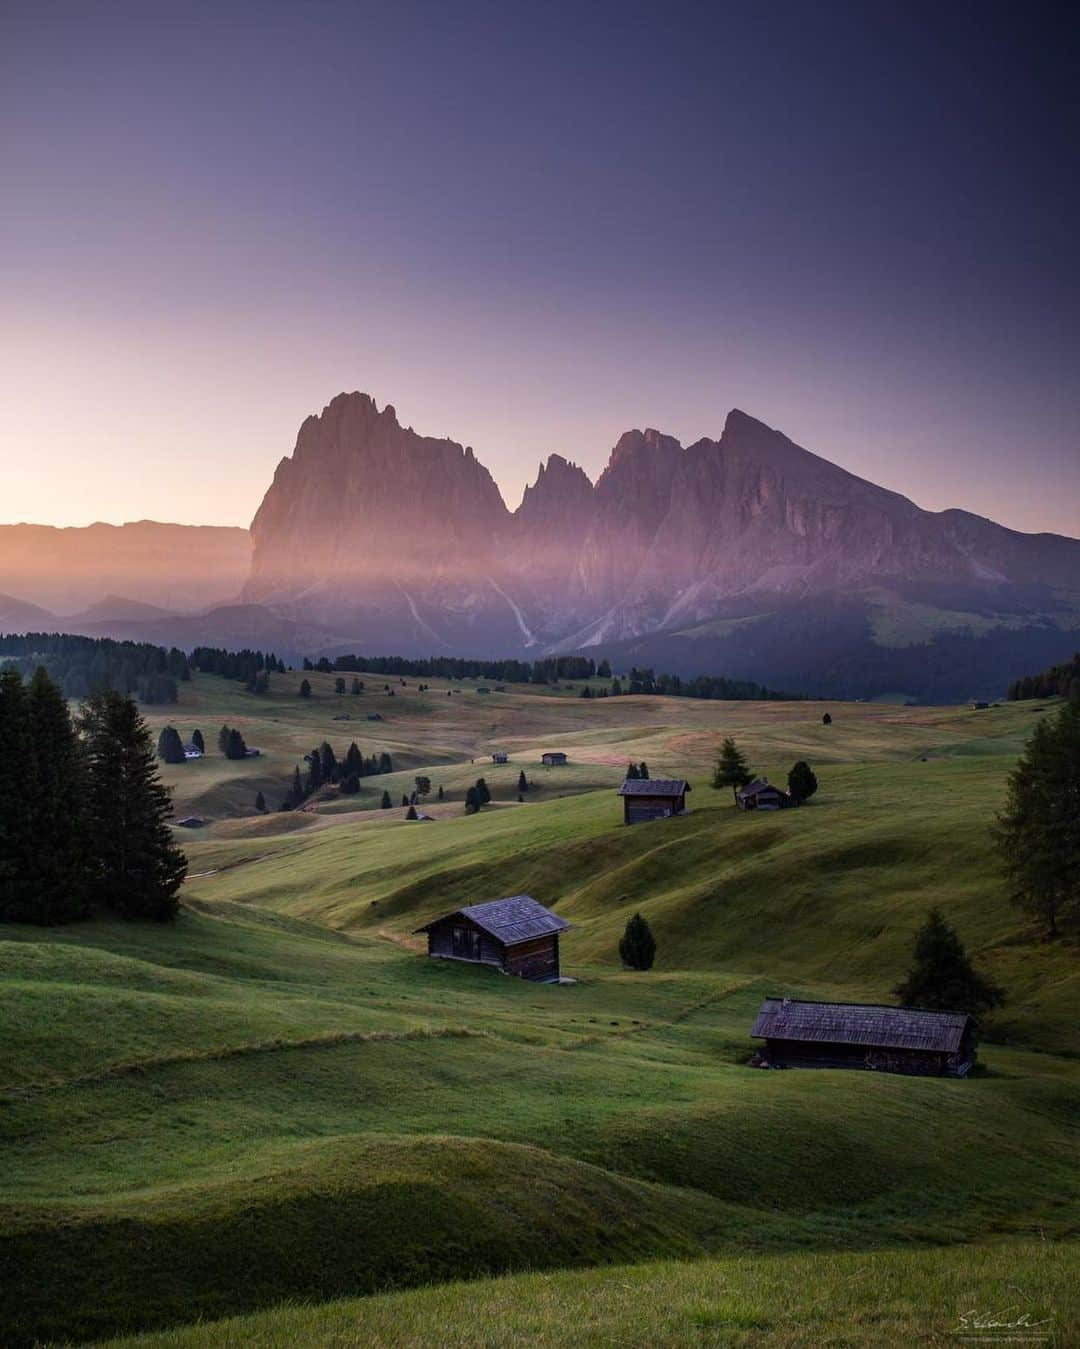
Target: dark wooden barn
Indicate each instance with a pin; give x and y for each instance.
(652, 798)
(552, 757)
(516, 935)
(855, 1035)
(762, 795)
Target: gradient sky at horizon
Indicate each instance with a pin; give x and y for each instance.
(530, 228)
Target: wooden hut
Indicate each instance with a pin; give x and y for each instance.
(856, 1035)
(762, 795)
(552, 758)
(516, 935)
(500, 756)
(652, 798)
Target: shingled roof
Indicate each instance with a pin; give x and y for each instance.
(514, 919)
(758, 786)
(654, 787)
(853, 1023)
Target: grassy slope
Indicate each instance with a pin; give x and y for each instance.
(179, 1104)
(883, 1299)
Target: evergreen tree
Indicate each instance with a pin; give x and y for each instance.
(17, 843)
(315, 775)
(1038, 833)
(942, 977)
(223, 740)
(339, 686)
(643, 771)
(404, 799)
(423, 784)
(170, 747)
(631, 772)
(732, 770)
(482, 791)
(356, 687)
(235, 747)
(330, 770)
(198, 741)
(55, 800)
(386, 803)
(802, 782)
(637, 947)
(350, 784)
(472, 801)
(296, 793)
(386, 764)
(603, 670)
(442, 794)
(523, 782)
(260, 803)
(826, 720)
(411, 814)
(353, 764)
(305, 688)
(135, 867)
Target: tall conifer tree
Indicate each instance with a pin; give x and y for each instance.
(55, 794)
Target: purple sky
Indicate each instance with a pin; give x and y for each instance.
(530, 227)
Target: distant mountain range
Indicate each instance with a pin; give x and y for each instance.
(746, 555)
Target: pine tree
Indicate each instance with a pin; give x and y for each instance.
(523, 782)
(802, 782)
(296, 792)
(643, 771)
(826, 720)
(260, 803)
(17, 843)
(305, 688)
(58, 879)
(135, 867)
(198, 741)
(942, 977)
(411, 814)
(315, 777)
(386, 764)
(442, 794)
(637, 947)
(386, 803)
(603, 670)
(732, 770)
(339, 686)
(423, 784)
(472, 801)
(482, 791)
(353, 765)
(631, 772)
(170, 747)
(330, 770)
(1038, 833)
(235, 748)
(350, 784)
(223, 740)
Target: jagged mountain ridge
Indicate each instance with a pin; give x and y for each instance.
(408, 539)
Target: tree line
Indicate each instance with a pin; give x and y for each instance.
(251, 668)
(1058, 681)
(85, 665)
(83, 814)
(324, 768)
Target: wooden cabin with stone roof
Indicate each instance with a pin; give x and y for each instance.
(516, 935)
(908, 1040)
(653, 798)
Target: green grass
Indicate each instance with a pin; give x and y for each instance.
(843, 1301)
(279, 1097)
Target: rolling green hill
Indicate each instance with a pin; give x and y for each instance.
(278, 1097)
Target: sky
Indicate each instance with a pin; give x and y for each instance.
(531, 227)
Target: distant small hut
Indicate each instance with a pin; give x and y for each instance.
(552, 758)
(856, 1035)
(762, 795)
(500, 756)
(979, 706)
(516, 935)
(652, 798)
(192, 751)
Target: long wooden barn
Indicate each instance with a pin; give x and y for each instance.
(652, 798)
(910, 1040)
(516, 935)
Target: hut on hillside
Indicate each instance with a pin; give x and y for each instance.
(517, 935)
(552, 758)
(192, 751)
(909, 1040)
(653, 798)
(762, 795)
(500, 756)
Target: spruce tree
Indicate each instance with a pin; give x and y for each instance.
(223, 740)
(423, 784)
(482, 791)
(235, 749)
(58, 878)
(637, 947)
(523, 782)
(314, 777)
(350, 784)
(942, 977)
(198, 741)
(826, 720)
(404, 799)
(732, 770)
(442, 794)
(1038, 833)
(135, 867)
(339, 686)
(472, 801)
(170, 747)
(305, 688)
(17, 842)
(353, 765)
(386, 803)
(802, 782)
(296, 793)
(643, 771)
(632, 772)
(260, 803)
(411, 814)
(330, 770)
